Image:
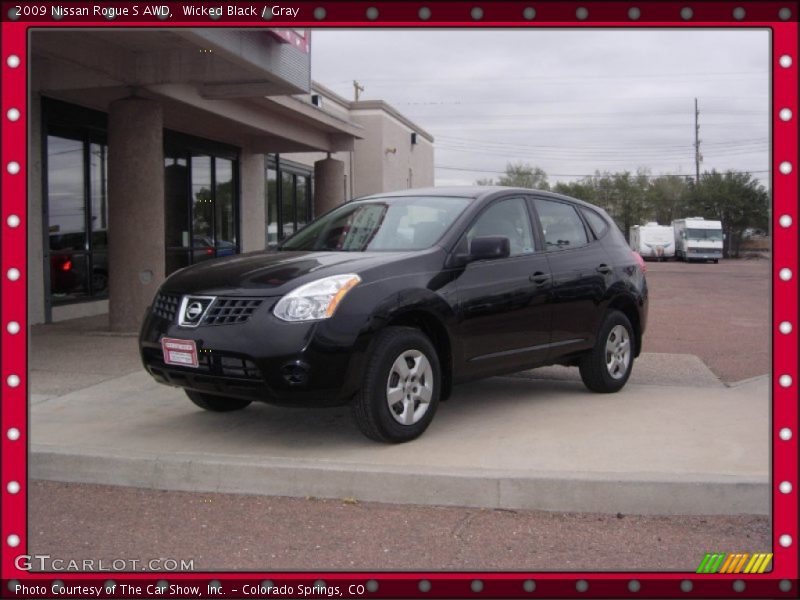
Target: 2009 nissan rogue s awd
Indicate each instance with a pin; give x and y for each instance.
(388, 301)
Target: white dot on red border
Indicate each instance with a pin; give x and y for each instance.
(13, 274)
(785, 487)
(785, 434)
(12, 114)
(785, 327)
(13, 434)
(13, 167)
(785, 61)
(785, 221)
(13, 540)
(785, 274)
(12, 487)
(785, 540)
(12, 221)
(13, 61)
(12, 381)
(785, 167)
(785, 114)
(12, 327)
(785, 380)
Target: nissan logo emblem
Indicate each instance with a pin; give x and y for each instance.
(194, 310)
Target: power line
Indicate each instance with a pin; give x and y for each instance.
(735, 142)
(579, 158)
(556, 78)
(471, 170)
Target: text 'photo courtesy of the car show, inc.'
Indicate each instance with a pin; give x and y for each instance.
(399, 299)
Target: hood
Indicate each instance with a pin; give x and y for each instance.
(270, 273)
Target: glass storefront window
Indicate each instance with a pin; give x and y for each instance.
(288, 198)
(287, 203)
(202, 210)
(65, 194)
(201, 201)
(272, 206)
(225, 223)
(98, 194)
(301, 200)
(77, 218)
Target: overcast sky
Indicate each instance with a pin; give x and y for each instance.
(567, 101)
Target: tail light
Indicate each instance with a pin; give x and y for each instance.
(66, 265)
(640, 261)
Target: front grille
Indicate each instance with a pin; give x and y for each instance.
(166, 306)
(223, 311)
(231, 310)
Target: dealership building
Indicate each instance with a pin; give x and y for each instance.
(151, 150)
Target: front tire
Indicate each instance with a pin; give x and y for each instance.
(607, 367)
(401, 387)
(216, 403)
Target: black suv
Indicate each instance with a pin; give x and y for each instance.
(388, 301)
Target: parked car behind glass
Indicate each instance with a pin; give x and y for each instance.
(388, 301)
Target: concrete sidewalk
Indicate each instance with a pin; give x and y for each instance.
(508, 442)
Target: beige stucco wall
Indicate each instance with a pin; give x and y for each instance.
(387, 160)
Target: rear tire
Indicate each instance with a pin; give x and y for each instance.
(216, 403)
(401, 386)
(607, 367)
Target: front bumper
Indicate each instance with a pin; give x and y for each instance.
(263, 359)
(704, 255)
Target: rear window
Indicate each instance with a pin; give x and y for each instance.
(561, 225)
(598, 224)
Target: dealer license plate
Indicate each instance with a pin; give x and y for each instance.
(179, 352)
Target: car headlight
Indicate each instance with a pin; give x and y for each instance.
(315, 300)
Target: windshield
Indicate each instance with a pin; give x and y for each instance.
(408, 223)
(704, 234)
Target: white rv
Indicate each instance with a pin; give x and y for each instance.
(698, 239)
(653, 241)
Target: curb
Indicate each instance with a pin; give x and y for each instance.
(629, 493)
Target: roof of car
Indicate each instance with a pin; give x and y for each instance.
(466, 191)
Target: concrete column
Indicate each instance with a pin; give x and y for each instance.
(328, 185)
(136, 235)
(252, 208)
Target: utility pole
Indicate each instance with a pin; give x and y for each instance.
(697, 156)
(357, 88)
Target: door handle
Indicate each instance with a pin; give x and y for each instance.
(539, 278)
(604, 269)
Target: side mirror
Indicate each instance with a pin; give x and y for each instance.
(489, 247)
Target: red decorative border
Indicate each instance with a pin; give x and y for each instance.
(442, 14)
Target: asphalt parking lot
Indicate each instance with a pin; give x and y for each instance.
(717, 313)
(720, 313)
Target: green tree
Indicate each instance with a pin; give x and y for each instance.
(736, 199)
(520, 175)
(666, 199)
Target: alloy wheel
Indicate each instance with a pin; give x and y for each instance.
(618, 352)
(409, 388)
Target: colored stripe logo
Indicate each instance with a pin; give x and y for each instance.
(743, 562)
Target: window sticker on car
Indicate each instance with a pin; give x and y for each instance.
(179, 352)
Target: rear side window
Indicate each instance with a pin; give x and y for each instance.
(598, 224)
(561, 225)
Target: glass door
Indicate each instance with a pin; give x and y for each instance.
(201, 202)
